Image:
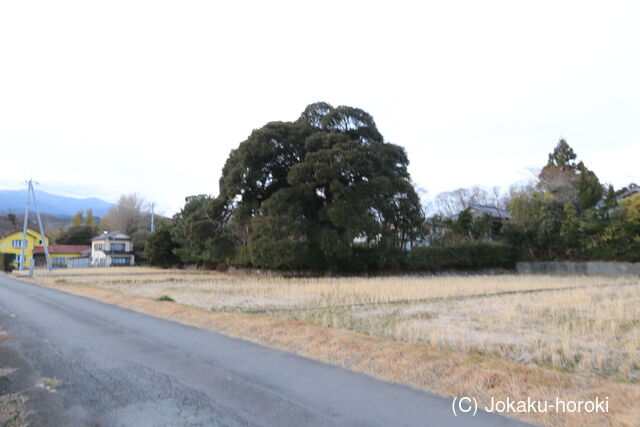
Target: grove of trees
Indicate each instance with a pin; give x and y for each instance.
(565, 214)
(81, 230)
(569, 214)
(327, 192)
(321, 192)
(127, 216)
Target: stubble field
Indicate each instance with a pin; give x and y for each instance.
(587, 329)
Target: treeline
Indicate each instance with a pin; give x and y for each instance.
(327, 192)
(128, 216)
(569, 215)
(564, 214)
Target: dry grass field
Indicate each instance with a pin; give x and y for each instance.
(554, 335)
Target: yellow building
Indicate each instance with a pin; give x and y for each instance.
(13, 244)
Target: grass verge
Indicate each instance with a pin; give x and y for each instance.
(12, 408)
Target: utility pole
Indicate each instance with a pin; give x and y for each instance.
(32, 194)
(23, 243)
(153, 217)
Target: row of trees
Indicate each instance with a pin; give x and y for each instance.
(82, 228)
(564, 214)
(127, 216)
(327, 192)
(569, 214)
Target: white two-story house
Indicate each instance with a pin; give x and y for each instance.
(111, 250)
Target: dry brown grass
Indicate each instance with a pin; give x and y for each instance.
(12, 411)
(465, 344)
(592, 330)
(220, 291)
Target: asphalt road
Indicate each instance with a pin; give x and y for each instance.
(115, 367)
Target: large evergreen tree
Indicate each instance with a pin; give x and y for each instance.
(306, 194)
(568, 180)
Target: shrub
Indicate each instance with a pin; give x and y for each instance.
(6, 262)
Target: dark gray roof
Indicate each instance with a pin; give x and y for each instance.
(633, 189)
(111, 235)
(491, 210)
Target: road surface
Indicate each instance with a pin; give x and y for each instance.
(86, 363)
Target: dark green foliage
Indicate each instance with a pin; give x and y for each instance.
(465, 227)
(570, 230)
(159, 248)
(461, 226)
(534, 228)
(304, 195)
(614, 236)
(572, 217)
(242, 257)
(281, 236)
(77, 220)
(81, 231)
(555, 222)
(90, 220)
(6, 262)
(139, 242)
(202, 232)
(590, 190)
(609, 204)
(543, 230)
(464, 257)
(165, 298)
(485, 228)
(326, 192)
(562, 158)
(77, 235)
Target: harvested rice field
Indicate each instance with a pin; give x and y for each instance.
(585, 328)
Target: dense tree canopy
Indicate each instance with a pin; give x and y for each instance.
(569, 215)
(159, 247)
(82, 229)
(304, 194)
(327, 192)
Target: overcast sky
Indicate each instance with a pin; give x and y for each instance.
(105, 98)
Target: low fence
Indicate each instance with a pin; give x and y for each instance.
(588, 268)
(78, 263)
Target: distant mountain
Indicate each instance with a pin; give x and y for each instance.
(14, 200)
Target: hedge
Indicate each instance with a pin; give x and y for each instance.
(468, 256)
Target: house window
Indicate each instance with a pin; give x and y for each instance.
(120, 260)
(99, 246)
(20, 257)
(17, 243)
(117, 247)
